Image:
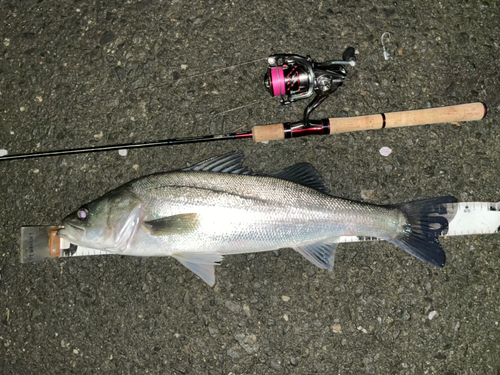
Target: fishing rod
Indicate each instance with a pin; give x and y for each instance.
(292, 78)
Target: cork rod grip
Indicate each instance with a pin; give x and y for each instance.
(263, 133)
(457, 113)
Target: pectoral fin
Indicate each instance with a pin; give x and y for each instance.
(200, 264)
(320, 254)
(176, 224)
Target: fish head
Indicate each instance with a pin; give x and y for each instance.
(108, 223)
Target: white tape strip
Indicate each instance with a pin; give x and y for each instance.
(475, 218)
(70, 250)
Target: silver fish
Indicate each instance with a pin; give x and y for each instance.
(218, 207)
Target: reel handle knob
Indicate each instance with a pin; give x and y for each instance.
(349, 54)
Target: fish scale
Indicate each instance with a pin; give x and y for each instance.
(260, 198)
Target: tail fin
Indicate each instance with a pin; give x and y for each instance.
(426, 220)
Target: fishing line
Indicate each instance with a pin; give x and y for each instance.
(195, 75)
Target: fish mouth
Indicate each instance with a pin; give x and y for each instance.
(71, 232)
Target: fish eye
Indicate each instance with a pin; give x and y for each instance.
(82, 213)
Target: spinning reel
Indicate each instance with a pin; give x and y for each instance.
(294, 77)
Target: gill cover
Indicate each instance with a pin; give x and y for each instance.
(109, 223)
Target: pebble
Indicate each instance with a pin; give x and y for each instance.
(406, 315)
(385, 151)
(233, 354)
(361, 329)
(107, 37)
(311, 271)
(337, 328)
(3, 152)
(246, 310)
(233, 307)
(285, 298)
(122, 152)
(432, 315)
(248, 342)
(369, 194)
(276, 365)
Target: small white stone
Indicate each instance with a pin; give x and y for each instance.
(285, 298)
(432, 315)
(22, 109)
(122, 152)
(385, 151)
(6, 42)
(361, 329)
(3, 152)
(285, 317)
(184, 66)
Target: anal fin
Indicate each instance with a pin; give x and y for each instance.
(200, 264)
(320, 254)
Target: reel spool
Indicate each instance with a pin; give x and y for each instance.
(294, 77)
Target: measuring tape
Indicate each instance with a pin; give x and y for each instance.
(41, 242)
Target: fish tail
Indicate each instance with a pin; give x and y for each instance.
(426, 220)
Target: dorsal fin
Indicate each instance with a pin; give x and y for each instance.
(303, 174)
(228, 163)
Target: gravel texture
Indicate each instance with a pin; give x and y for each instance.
(89, 73)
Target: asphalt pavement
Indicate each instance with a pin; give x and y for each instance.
(90, 73)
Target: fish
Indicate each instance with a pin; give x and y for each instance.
(219, 207)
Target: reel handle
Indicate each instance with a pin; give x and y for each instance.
(457, 113)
